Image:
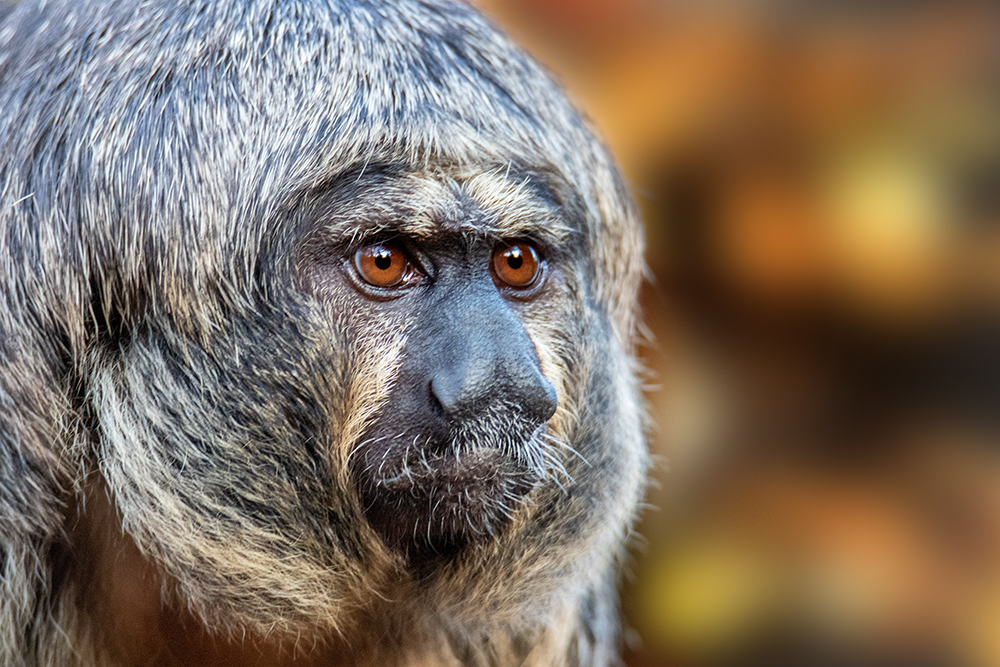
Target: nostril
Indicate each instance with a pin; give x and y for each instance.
(541, 403)
(457, 396)
(436, 407)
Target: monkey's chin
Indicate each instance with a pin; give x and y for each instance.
(435, 506)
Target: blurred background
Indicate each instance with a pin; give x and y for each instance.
(821, 190)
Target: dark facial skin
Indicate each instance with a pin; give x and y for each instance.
(457, 445)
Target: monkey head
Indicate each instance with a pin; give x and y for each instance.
(335, 302)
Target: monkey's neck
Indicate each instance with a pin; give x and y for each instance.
(118, 607)
(115, 615)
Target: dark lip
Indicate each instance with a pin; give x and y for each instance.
(476, 466)
(433, 506)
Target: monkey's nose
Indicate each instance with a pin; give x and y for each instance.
(486, 362)
(473, 385)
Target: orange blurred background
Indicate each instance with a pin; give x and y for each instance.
(821, 190)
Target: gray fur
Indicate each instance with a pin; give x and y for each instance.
(174, 409)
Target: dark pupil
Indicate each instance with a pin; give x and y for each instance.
(515, 258)
(383, 259)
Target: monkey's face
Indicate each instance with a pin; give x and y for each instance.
(428, 400)
(470, 286)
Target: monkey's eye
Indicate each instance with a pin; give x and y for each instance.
(516, 265)
(382, 264)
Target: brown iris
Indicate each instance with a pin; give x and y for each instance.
(381, 264)
(516, 265)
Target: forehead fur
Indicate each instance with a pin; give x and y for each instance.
(423, 205)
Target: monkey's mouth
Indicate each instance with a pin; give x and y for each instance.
(425, 503)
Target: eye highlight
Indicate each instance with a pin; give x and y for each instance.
(382, 264)
(516, 265)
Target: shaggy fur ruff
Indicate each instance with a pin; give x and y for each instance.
(179, 418)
